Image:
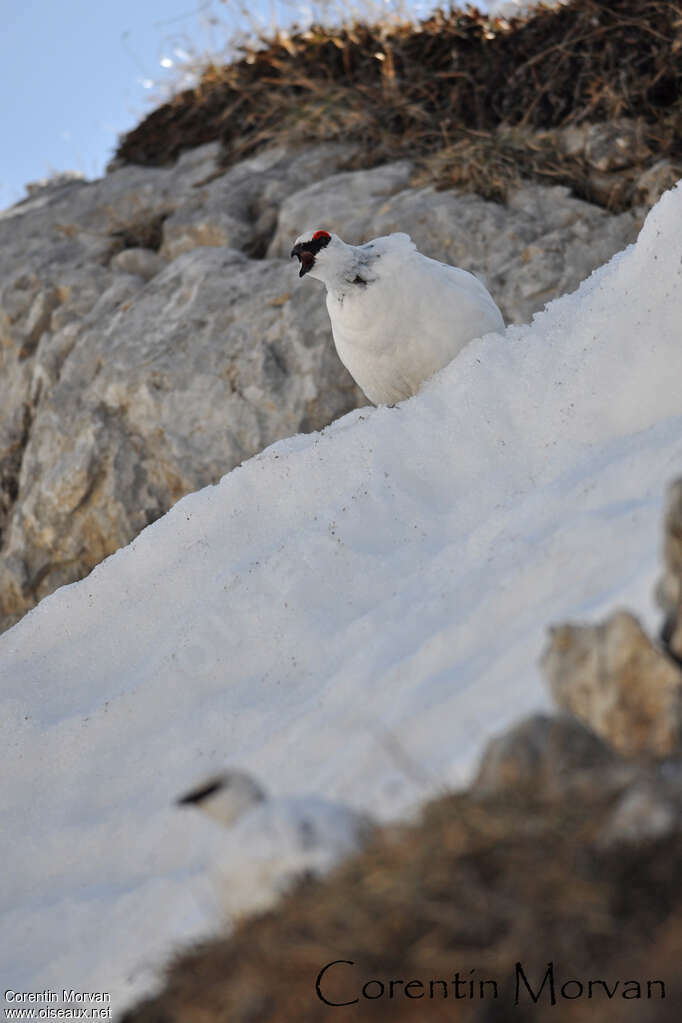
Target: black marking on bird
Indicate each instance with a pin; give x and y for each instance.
(199, 794)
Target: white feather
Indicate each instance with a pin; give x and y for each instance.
(270, 844)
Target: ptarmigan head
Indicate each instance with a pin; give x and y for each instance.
(315, 252)
(226, 796)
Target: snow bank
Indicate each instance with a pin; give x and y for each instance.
(350, 613)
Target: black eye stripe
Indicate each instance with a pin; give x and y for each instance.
(201, 793)
(315, 244)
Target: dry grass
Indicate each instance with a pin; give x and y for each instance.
(445, 91)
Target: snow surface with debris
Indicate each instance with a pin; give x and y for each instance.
(351, 613)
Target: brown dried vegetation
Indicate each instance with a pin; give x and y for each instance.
(478, 101)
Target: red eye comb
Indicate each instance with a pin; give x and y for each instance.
(321, 234)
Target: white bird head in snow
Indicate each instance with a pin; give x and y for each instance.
(225, 797)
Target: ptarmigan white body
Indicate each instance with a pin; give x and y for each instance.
(271, 843)
(397, 316)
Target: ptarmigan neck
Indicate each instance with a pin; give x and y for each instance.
(353, 270)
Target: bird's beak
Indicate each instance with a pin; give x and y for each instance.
(305, 258)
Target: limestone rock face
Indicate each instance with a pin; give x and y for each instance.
(164, 388)
(613, 678)
(131, 376)
(144, 263)
(344, 203)
(153, 332)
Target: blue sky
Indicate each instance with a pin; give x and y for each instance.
(72, 71)
(72, 74)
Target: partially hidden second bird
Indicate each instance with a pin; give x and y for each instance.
(397, 316)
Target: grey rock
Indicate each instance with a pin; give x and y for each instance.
(552, 758)
(38, 320)
(197, 165)
(73, 260)
(344, 203)
(613, 678)
(572, 238)
(78, 290)
(616, 144)
(611, 189)
(606, 147)
(654, 181)
(547, 754)
(187, 230)
(144, 263)
(54, 181)
(238, 208)
(159, 391)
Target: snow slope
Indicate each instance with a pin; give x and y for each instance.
(350, 613)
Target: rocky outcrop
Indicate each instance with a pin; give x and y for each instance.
(621, 683)
(546, 753)
(616, 159)
(555, 757)
(143, 358)
(153, 333)
(613, 677)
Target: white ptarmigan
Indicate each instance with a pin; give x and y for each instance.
(397, 316)
(271, 843)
